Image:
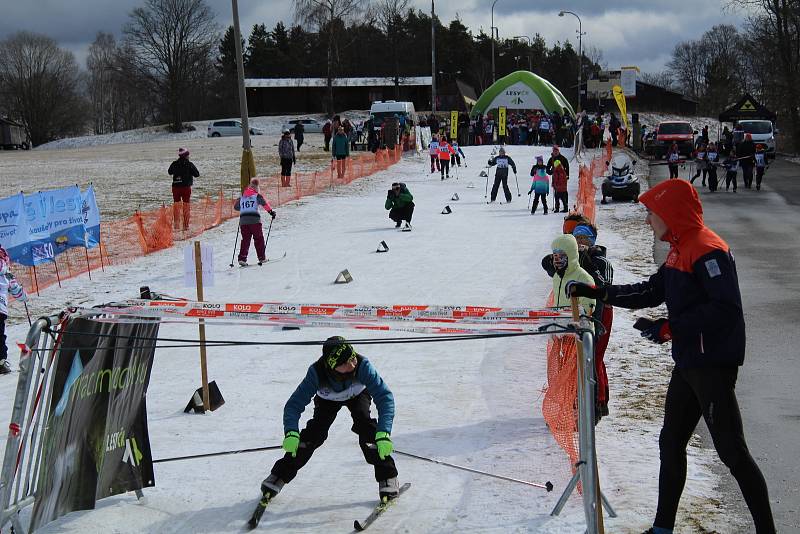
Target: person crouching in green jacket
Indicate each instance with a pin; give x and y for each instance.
(400, 203)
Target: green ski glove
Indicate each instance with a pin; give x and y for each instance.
(384, 444)
(291, 442)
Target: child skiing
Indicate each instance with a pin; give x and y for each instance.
(560, 187)
(540, 184)
(501, 174)
(444, 153)
(339, 378)
(250, 222)
(433, 151)
(8, 286)
(673, 157)
(731, 165)
(458, 153)
(712, 160)
(700, 163)
(761, 165)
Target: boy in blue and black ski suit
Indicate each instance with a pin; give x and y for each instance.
(340, 378)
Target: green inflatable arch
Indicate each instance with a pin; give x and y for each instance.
(522, 90)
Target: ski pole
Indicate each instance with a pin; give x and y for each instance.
(516, 180)
(268, 231)
(28, 313)
(235, 242)
(486, 190)
(547, 485)
(221, 453)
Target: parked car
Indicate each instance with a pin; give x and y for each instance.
(309, 125)
(762, 132)
(229, 128)
(668, 132)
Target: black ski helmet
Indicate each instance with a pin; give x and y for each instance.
(336, 350)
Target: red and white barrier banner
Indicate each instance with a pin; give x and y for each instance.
(322, 322)
(401, 312)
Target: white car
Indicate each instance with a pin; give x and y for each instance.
(229, 129)
(309, 125)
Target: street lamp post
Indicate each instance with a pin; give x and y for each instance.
(530, 44)
(580, 52)
(493, 30)
(433, 58)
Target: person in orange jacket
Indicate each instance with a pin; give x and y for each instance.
(445, 151)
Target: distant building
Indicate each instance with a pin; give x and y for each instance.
(267, 96)
(648, 97)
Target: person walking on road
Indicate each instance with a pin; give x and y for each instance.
(340, 148)
(250, 222)
(746, 152)
(673, 157)
(183, 173)
(761, 165)
(299, 134)
(503, 162)
(340, 378)
(287, 155)
(705, 324)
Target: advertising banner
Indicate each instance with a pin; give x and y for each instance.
(501, 120)
(14, 229)
(97, 442)
(91, 218)
(64, 218)
(41, 247)
(453, 125)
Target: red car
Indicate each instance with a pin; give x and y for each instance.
(669, 132)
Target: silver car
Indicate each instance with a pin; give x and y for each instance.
(309, 125)
(230, 128)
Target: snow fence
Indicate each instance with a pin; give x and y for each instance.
(559, 406)
(145, 232)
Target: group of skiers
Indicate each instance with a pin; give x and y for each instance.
(441, 152)
(747, 156)
(556, 171)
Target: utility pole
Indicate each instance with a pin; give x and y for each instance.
(433, 57)
(492, 29)
(248, 168)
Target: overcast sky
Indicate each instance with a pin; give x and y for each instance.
(629, 32)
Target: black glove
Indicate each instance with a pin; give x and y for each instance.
(272, 213)
(580, 289)
(657, 331)
(390, 193)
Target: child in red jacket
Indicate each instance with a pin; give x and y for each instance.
(560, 187)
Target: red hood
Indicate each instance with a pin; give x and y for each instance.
(249, 192)
(677, 203)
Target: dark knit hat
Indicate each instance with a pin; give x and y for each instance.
(336, 351)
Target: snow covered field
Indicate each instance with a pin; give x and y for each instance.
(473, 403)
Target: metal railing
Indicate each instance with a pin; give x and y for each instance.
(23, 453)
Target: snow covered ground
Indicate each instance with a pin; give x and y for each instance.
(473, 403)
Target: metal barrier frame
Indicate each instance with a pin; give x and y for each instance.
(23, 453)
(586, 467)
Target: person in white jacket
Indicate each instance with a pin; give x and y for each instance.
(8, 286)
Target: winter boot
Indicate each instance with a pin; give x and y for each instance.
(242, 263)
(398, 224)
(272, 485)
(388, 488)
(4, 367)
(536, 205)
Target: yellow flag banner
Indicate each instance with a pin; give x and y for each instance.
(453, 125)
(501, 120)
(619, 96)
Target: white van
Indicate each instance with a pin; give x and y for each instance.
(762, 132)
(388, 108)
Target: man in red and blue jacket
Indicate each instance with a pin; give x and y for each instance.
(705, 323)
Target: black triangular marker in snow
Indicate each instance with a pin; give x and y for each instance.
(343, 277)
(454, 197)
(447, 210)
(382, 247)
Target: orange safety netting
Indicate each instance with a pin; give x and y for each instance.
(144, 232)
(560, 403)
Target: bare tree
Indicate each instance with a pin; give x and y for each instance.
(170, 42)
(40, 86)
(661, 79)
(330, 17)
(100, 64)
(688, 65)
(389, 15)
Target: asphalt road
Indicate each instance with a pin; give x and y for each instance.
(763, 231)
